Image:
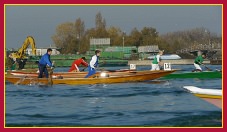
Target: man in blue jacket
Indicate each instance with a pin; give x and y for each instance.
(43, 62)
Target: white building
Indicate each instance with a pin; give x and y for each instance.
(148, 49)
(42, 51)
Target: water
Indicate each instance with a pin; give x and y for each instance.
(158, 103)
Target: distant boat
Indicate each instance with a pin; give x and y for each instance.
(167, 57)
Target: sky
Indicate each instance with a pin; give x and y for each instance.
(41, 21)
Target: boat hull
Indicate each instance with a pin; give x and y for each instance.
(212, 96)
(132, 77)
(71, 74)
(208, 74)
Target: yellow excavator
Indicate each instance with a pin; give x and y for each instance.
(20, 55)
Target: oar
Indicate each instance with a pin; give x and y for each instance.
(50, 81)
(130, 71)
(99, 63)
(83, 69)
(94, 75)
(207, 68)
(21, 80)
(103, 69)
(218, 70)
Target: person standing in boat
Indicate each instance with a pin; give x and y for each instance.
(157, 61)
(93, 64)
(77, 63)
(43, 62)
(199, 61)
(11, 62)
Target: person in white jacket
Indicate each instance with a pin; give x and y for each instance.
(157, 61)
(93, 64)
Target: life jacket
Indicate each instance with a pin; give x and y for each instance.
(155, 61)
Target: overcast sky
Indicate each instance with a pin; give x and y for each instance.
(41, 21)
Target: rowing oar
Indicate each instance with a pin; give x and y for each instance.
(218, 70)
(86, 67)
(128, 71)
(104, 70)
(94, 75)
(207, 68)
(50, 81)
(83, 69)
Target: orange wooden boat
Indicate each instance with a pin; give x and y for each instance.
(98, 78)
(68, 74)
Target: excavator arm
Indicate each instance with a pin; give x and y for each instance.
(20, 56)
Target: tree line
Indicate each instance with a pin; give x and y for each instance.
(71, 37)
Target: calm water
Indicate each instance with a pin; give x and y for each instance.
(156, 103)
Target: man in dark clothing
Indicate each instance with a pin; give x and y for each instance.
(45, 60)
(21, 63)
(11, 63)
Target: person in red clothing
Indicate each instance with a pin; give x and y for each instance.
(76, 64)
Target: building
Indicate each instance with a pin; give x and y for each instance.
(42, 51)
(152, 49)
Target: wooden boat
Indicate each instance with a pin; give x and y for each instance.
(213, 96)
(204, 74)
(68, 74)
(97, 78)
